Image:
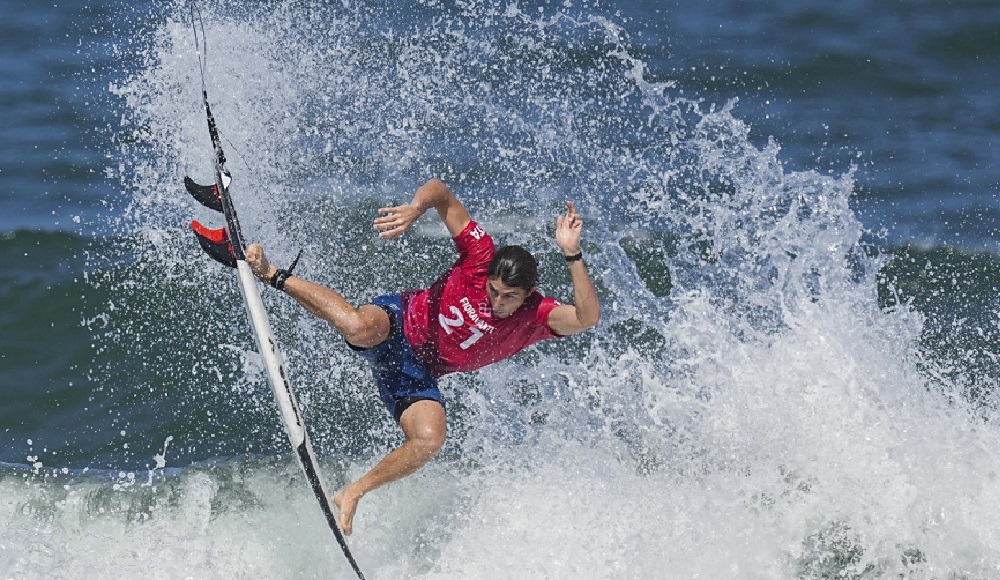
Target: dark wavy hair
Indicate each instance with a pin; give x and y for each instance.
(515, 267)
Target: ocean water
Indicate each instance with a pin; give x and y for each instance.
(790, 215)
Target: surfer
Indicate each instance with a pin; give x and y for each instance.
(484, 309)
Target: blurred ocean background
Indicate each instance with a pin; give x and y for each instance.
(791, 213)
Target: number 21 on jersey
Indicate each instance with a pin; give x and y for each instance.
(458, 321)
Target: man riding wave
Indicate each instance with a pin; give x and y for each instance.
(484, 309)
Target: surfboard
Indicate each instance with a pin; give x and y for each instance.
(227, 246)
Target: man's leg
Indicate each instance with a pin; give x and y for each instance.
(363, 327)
(424, 427)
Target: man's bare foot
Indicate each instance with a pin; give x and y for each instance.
(347, 502)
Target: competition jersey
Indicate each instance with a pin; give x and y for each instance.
(451, 326)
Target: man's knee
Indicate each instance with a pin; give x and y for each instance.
(368, 328)
(430, 444)
(425, 426)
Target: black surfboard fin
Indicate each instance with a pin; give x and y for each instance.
(207, 195)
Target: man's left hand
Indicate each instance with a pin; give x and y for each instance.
(568, 230)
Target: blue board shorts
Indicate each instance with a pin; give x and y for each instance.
(402, 377)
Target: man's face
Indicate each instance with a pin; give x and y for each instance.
(504, 299)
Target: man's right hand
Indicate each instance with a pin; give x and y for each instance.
(394, 221)
(258, 263)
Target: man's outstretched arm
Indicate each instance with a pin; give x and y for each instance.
(585, 312)
(433, 194)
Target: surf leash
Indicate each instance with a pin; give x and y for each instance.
(227, 246)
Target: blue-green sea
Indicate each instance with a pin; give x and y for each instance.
(790, 215)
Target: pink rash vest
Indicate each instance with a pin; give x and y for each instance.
(451, 326)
